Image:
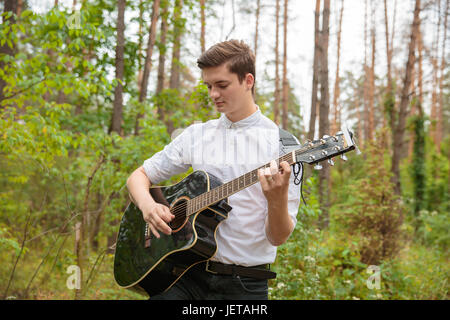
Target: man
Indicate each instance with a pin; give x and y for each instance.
(262, 217)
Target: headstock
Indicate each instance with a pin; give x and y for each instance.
(326, 148)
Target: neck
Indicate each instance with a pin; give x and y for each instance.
(247, 110)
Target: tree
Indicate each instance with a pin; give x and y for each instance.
(405, 97)
(324, 110)
(285, 97)
(258, 9)
(440, 112)
(315, 81)
(203, 24)
(10, 11)
(116, 122)
(148, 60)
(276, 103)
(336, 104)
(174, 82)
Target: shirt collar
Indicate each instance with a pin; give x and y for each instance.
(251, 119)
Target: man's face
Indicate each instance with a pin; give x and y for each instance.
(227, 93)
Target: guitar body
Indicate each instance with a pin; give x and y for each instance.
(150, 265)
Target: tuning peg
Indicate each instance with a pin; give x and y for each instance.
(344, 157)
(331, 162)
(318, 167)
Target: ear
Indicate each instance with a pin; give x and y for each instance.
(249, 80)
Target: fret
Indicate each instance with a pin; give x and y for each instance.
(254, 175)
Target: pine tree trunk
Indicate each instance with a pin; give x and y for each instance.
(366, 81)
(440, 111)
(315, 81)
(435, 81)
(403, 107)
(324, 110)
(162, 47)
(258, 7)
(174, 82)
(203, 24)
(116, 122)
(8, 6)
(389, 103)
(372, 80)
(148, 60)
(140, 40)
(284, 119)
(276, 103)
(336, 111)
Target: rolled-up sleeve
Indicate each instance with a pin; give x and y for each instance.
(173, 159)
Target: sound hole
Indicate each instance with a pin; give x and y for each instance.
(179, 211)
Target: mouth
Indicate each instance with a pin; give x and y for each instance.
(219, 103)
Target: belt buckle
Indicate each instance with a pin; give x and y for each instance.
(207, 268)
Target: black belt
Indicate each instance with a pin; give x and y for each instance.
(257, 272)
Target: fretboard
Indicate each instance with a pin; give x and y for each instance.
(231, 187)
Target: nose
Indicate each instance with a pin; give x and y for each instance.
(213, 93)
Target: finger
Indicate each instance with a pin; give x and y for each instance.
(273, 167)
(262, 179)
(153, 230)
(274, 171)
(165, 213)
(268, 175)
(161, 225)
(286, 170)
(286, 167)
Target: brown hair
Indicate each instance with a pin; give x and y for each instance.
(239, 57)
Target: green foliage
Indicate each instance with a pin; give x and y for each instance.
(58, 163)
(418, 163)
(373, 213)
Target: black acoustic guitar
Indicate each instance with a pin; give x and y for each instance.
(152, 265)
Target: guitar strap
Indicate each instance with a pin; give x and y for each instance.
(288, 143)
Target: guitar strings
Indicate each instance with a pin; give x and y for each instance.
(180, 210)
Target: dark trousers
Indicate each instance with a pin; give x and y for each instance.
(199, 284)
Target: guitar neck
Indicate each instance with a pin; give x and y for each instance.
(312, 152)
(229, 188)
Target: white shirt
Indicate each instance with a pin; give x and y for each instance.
(228, 150)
